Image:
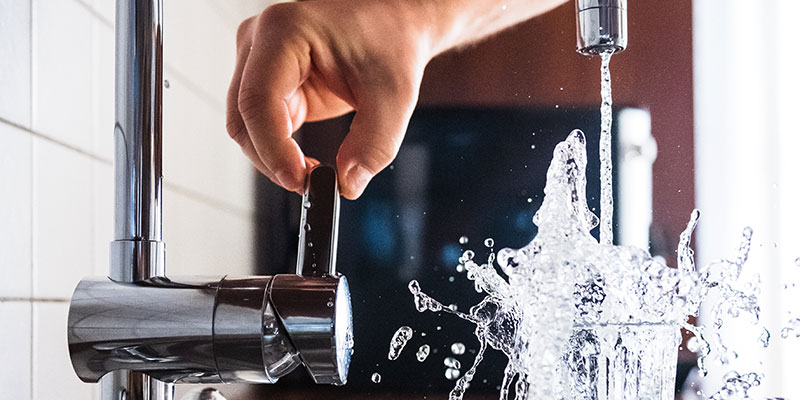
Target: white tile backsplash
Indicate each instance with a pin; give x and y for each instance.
(15, 344)
(62, 219)
(56, 180)
(53, 377)
(62, 71)
(106, 9)
(186, 44)
(15, 212)
(103, 89)
(198, 153)
(102, 215)
(15, 70)
(204, 240)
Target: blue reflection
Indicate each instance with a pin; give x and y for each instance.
(378, 227)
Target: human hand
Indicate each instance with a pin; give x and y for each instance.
(310, 61)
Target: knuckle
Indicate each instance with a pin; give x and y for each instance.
(278, 15)
(250, 101)
(376, 157)
(236, 130)
(243, 31)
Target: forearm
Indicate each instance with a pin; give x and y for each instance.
(453, 23)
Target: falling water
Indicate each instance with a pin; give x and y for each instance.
(606, 186)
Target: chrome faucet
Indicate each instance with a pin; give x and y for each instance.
(602, 26)
(137, 331)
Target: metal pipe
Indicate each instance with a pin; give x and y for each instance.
(602, 26)
(137, 252)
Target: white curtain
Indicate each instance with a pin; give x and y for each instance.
(747, 168)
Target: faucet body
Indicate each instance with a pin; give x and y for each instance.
(602, 26)
(137, 331)
(195, 330)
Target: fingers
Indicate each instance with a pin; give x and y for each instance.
(234, 124)
(374, 139)
(270, 82)
(264, 103)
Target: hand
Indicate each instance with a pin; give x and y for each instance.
(310, 61)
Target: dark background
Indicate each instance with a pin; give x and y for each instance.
(483, 102)
(461, 172)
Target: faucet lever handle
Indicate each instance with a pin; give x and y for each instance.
(319, 224)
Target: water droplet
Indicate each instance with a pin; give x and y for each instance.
(310, 244)
(797, 261)
(693, 344)
(530, 200)
(451, 362)
(166, 83)
(307, 227)
(533, 146)
(376, 378)
(399, 341)
(468, 255)
(489, 242)
(764, 338)
(785, 332)
(330, 304)
(561, 89)
(451, 279)
(460, 268)
(453, 307)
(463, 240)
(458, 348)
(423, 352)
(452, 374)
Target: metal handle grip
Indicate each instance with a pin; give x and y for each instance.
(319, 224)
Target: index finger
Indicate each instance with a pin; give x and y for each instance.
(271, 79)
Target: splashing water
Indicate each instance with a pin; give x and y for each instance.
(399, 341)
(579, 319)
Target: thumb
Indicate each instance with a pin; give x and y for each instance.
(374, 139)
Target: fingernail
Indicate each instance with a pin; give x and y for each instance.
(286, 179)
(359, 178)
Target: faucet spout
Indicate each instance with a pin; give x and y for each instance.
(602, 26)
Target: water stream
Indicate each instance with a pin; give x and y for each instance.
(606, 184)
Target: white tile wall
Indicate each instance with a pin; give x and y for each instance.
(15, 213)
(103, 88)
(15, 344)
(217, 244)
(52, 376)
(56, 177)
(102, 214)
(191, 160)
(62, 71)
(62, 216)
(15, 78)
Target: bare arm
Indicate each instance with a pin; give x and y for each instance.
(314, 60)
